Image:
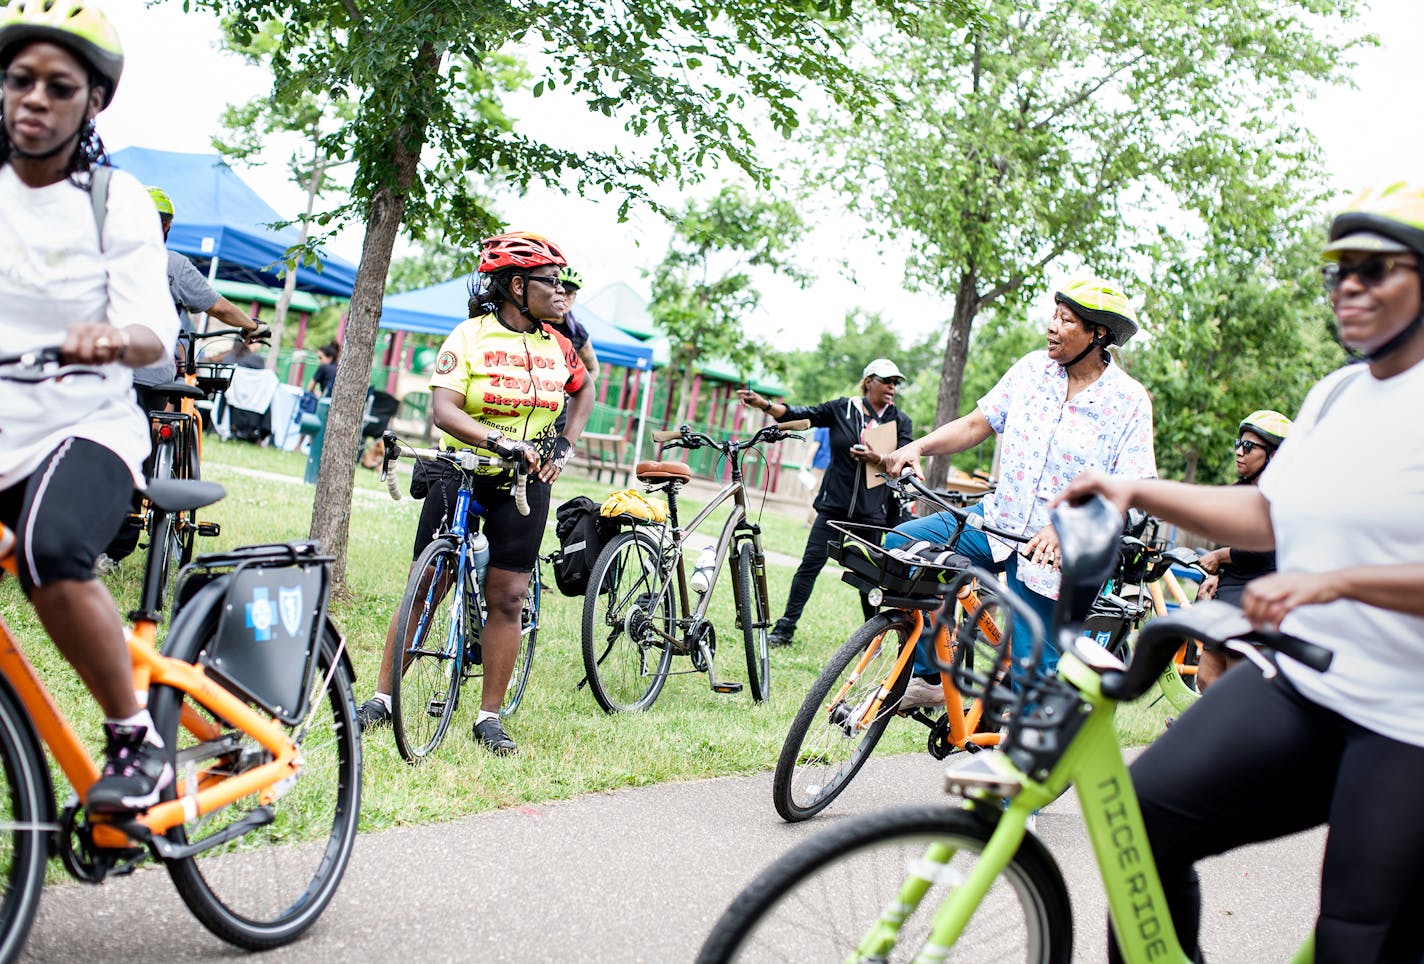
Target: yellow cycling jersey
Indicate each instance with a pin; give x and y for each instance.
(515, 382)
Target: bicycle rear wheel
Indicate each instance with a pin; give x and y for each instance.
(266, 887)
(629, 618)
(752, 613)
(830, 739)
(23, 809)
(528, 637)
(185, 525)
(822, 900)
(425, 664)
(163, 545)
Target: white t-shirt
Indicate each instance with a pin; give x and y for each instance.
(1348, 490)
(52, 275)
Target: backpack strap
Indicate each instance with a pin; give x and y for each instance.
(99, 197)
(1336, 391)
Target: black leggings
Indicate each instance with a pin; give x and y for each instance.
(813, 560)
(1254, 760)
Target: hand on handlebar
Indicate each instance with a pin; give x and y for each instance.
(259, 334)
(1043, 548)
(906, 457)
(1268, 598)
(1116, 490)
(1207, 589)
(93, 344)
(515, 450)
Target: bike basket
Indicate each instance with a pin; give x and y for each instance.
(913, 570)
(269, 631)
(214, 377)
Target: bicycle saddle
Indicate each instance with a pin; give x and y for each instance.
(178, 390)
(182, 495)
(663, 472)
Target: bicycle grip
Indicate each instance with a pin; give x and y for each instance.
(521, 491)
(1315, 656)
(797, 425)
(392, 487)
(664, 435)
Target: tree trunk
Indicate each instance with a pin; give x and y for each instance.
(331, 512)
(1189, 474)
(951, 382)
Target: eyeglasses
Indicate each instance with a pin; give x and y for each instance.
(551, 282)
(56, 89)
(892, 380)
(1248, 446)
(1370, 271)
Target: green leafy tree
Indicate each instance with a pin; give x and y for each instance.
(703, 290)
(1062, 130)
(1233, 331)
(833, 367)
(686, 77)
(429, 266)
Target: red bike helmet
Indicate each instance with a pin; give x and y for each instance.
(518, 249)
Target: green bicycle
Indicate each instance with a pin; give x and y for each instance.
(972, 884)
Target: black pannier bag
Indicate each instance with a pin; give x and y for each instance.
(582, 536)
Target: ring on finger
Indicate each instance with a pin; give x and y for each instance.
(102, 341)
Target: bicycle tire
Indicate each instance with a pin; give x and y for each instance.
(625, 659)
(267, 887)
(161, 543)
(24, 847)
(528, 639)
(819, 738)
(751, 611)
(186, 530)
(426, 670)
(820, 900)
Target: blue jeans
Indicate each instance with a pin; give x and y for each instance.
(975, 545)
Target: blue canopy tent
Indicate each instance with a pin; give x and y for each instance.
(219, 220)
(436, 310)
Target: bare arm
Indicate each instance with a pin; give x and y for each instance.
(959, 435)
(230, 314)
(1237, 515)
(579, 407)
(450, 416)
(589, 359)
(1398, 587)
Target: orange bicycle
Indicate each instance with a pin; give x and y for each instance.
(859, 691)
(251, 694)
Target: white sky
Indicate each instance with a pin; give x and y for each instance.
(176, 84)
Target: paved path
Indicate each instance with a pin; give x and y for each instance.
(637, 875)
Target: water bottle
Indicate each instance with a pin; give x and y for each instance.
(479, 556)
(701, 579)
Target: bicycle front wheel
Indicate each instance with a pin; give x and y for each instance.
(751, 610)
(23, 849)
(824, 900)
(528, 636)
(832, 736)
(629, 619)
(264, 888)
(425, 663)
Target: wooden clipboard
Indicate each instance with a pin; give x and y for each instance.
(881, 440)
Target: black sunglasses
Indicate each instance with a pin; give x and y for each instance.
(1248, 446)
(1370, 271)
(56, 89)
(892, 380)
(553, 282)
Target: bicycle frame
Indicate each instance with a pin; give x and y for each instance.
(203, 797)
(466, 586)
(1093, 764)
(736, 522)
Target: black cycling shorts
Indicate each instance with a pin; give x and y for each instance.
(514, 539)
(66, 511)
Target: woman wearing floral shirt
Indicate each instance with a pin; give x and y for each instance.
(1059, 413)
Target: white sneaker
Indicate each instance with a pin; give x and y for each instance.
(921, 692)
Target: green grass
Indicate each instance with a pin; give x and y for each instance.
(567, 745)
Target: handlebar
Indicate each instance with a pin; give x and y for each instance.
(41, 365)
(684, 437)
(1216, 625)
(465, 460)
(972, 520)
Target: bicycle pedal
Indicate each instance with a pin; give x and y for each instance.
(436, 709)
(210, 530)
(725, 687)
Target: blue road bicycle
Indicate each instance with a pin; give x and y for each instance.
(443, 611)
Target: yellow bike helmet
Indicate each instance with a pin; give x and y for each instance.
(161, 201)
(1385, 218)
(1273, 427)
(570, 278)
(76, 25)
(1100, 302)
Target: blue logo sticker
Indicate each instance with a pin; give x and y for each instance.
(259, 615)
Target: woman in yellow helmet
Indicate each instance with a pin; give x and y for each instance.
(84, 266)
(1058, 412)
(1260, 758)
(1230, 569)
